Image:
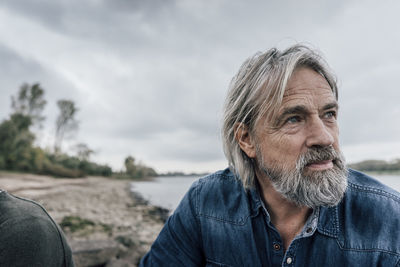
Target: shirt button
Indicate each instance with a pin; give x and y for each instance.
(277, 246)
(309, 230)
(289, 260)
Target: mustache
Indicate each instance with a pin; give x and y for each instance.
(317, 154)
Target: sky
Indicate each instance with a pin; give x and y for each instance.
(150, 77)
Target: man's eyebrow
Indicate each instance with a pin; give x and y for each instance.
(331, 106)
(300, 109)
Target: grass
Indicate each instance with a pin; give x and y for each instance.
(76, 224)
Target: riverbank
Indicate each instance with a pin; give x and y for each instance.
(105, 223)
(379, 173)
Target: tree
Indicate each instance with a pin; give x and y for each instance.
(65, 122)
(83, 151)
(130, 166)
(138, 170)
(16, 143)
(30, 102)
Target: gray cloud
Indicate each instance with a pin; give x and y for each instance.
(150, 77)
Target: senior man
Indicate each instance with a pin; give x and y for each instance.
(287, 198)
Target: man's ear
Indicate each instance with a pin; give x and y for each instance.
(245, 140)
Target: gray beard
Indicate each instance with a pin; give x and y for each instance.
(315, 188)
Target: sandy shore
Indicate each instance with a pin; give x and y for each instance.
(97, 214)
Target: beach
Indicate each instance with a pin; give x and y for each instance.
(104, 222)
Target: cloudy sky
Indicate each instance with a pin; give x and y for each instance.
(149, 77)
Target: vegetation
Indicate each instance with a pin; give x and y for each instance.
(18, 152)
(135, 170)
(65, 123)
(76, 224)
(30, 102)
(377, 166)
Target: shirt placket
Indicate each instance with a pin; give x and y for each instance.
(290, 255)
(275, 245)
(309, 228)
(277, 255)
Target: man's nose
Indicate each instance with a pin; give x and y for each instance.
(318, 133)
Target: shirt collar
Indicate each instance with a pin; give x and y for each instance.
(255, 200)
(328, 223)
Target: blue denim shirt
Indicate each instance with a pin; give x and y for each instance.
(218, 223)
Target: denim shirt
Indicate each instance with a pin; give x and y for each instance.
(218, 223)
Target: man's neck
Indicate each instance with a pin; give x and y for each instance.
(288, 218)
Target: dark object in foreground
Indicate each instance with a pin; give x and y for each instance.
(29, 236)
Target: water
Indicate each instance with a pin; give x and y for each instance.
(165, 192)
(168, 191)
(391, 180)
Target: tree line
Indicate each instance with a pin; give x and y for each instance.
(377, 165)
(19, 153)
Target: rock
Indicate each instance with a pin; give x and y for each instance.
(138, 198)
(159, 213)
(126, 241)
(94, 252)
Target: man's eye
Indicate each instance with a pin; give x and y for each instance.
(293, 119)
(330, 114)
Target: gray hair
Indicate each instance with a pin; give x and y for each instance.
(256, 92)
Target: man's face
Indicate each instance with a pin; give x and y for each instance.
(298, 150)
(306, 118)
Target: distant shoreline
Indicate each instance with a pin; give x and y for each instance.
(394, 173)
(183, 175)
(377, 166)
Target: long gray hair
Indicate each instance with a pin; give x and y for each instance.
(256, 92)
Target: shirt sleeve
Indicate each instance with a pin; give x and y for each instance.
(33, 241)
(179, 242)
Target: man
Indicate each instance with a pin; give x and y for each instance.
(287, 198)
(29, 237)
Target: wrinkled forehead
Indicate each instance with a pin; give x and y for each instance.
(306, 78)
(310, 100)
(305, 87)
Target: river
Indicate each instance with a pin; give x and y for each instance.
(168, 191)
